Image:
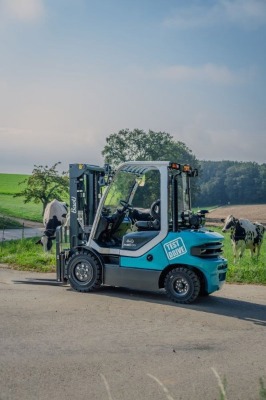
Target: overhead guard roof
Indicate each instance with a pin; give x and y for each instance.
(141, 167)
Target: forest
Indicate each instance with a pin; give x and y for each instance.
(230, 182)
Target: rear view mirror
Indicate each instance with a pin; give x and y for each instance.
(141, 180)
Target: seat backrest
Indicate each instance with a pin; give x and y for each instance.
(148, 225)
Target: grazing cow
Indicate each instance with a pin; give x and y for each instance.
(55, 214)
(244, 235)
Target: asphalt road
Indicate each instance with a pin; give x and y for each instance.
(121, 344)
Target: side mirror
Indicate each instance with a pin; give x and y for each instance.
(101, 181)
(202, 212)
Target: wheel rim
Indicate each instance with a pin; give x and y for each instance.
(83, 272)
(181, 286)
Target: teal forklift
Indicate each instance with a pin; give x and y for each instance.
(134, 228)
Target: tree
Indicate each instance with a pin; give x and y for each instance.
(262, 191)
(44, 185)
(211, 179)
(242, 183)
(138, 145)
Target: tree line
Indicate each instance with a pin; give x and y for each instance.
(231, 182)
(218, 183)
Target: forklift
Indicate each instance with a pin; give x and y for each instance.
(135, 228)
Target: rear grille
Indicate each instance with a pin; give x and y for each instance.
(207, 250)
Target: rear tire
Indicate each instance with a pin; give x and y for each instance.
(84, 272)
(182, 285)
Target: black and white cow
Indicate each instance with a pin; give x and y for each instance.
(244, 235)
(55, 214)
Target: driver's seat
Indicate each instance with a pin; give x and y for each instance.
(154, 224)
(148, 225)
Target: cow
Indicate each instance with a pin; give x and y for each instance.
(244, 235)
(55, 214)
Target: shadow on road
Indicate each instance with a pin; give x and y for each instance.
(212, 304)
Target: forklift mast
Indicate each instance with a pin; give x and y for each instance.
(86, 185)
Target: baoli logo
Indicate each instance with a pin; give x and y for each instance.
(175, 248)
(73, 203)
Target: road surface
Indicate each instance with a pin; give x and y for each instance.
(119, 344)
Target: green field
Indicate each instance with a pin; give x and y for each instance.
(10, 183)
(15, 206)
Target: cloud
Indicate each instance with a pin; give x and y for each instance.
(244, 13)
(22, 10)
(212, 137)
(212, 73)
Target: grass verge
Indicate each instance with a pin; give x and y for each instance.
(25, 255)
(246, 270)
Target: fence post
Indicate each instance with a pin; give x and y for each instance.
(3, 237)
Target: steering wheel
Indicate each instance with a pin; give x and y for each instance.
(155, 210)
(125, 205)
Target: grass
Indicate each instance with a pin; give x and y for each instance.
(246, 270)
(262, 390)
(222, 387)
(14, 206)
(25, 255)
(7, 223)
(10, 183)
(195, 209)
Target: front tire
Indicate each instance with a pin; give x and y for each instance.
(84, 272)
(182, 285)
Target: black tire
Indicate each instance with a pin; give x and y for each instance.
(182, 285)
(204, 293)
(84, 272)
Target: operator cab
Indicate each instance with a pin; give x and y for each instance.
(142, 202)
(131, 205)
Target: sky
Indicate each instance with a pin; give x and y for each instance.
(72, 72)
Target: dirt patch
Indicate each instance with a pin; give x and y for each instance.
(255, 212)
